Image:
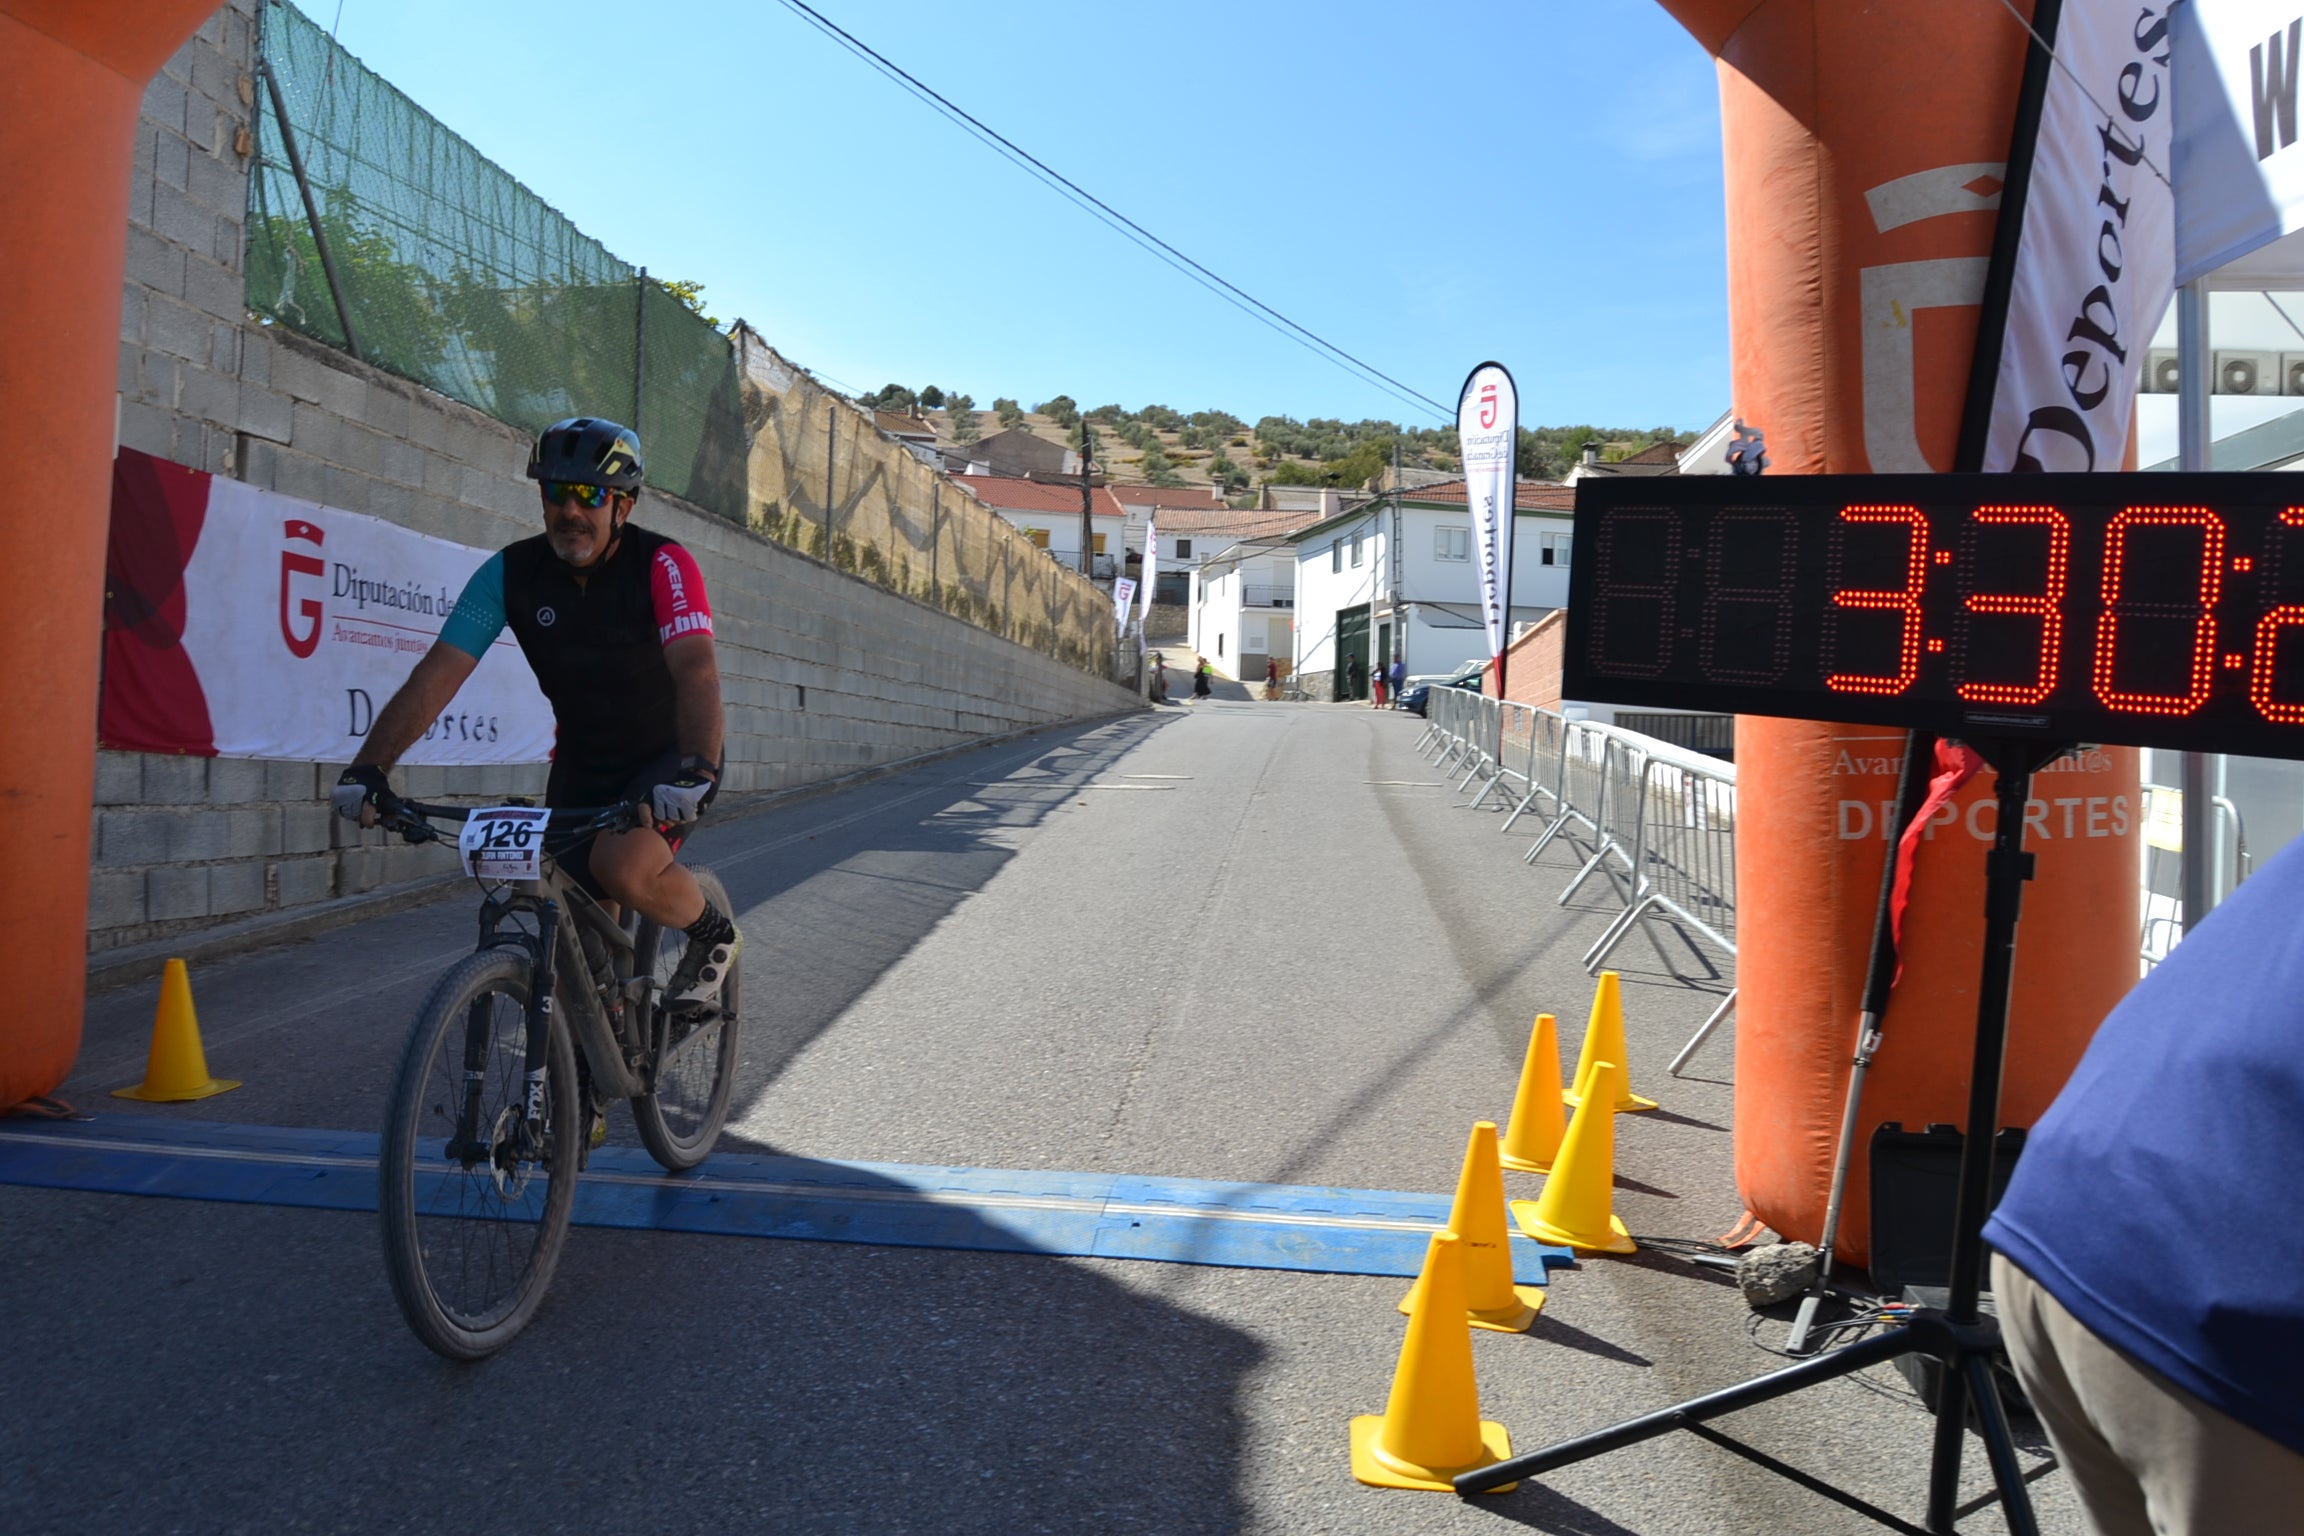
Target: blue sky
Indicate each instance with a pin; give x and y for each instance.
(1533, 180)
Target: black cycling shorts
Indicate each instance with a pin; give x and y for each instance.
(570, 785)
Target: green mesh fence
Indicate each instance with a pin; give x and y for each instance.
(457, 276)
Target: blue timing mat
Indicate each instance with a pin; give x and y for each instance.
(905, 1205)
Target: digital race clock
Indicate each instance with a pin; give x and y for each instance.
(2150, 610)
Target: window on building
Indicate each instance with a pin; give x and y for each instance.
(1556, 548)
(1038, 536)
(1452, 544)
(1099, 543)
(1336, 554)
(1219, 645)
(1183, 549)
(1356, 538)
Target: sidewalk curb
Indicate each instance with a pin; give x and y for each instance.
(113, 968)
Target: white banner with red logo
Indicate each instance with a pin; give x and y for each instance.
(2094, 271)
(1488, 436)
(242, 623)
(1150, 567)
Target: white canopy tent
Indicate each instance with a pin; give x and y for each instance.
(2237, 174)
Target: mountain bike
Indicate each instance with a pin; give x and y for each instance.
(512, 1061)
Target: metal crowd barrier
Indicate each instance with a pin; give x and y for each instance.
(2163, 866)
(1540, 737)
(1655, 821)
(1684, 868)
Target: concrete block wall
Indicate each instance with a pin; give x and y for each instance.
(823, 674)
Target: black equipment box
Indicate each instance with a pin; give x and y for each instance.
(1915, 1186)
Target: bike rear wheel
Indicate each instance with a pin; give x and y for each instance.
(680, 1118)
(473, 1227)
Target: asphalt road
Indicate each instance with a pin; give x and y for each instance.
(1234, 940)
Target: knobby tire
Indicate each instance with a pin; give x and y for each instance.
(679, 1120)
(471, 1250)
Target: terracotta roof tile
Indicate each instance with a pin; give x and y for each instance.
(1004, 494)
(1196, 496)
(1229, 524)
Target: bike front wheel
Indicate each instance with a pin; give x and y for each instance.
(474, 1192)
(679, 1119)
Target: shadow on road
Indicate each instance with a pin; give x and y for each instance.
(234, 1367)
(830, 903)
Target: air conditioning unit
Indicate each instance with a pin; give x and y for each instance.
(2246, 373)
(2160, 371)
(2292, 373)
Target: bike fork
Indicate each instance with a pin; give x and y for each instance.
(541, 994)
(468, 1146)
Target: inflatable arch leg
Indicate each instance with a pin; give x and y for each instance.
(68, 104)
(1864, 148)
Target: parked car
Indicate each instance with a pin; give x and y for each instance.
(1417, 696)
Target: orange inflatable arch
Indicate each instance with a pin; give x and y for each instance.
(1864, 149)
(68, 101)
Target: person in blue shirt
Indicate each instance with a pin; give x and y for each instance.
(2149, 1264)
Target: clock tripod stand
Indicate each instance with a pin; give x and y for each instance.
(1957, 1334)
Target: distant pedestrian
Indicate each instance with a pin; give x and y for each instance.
(1399, 677)
(1376, 681)
(1201, 676)
(1357, 671)
(1272, 677)
(1159, 678)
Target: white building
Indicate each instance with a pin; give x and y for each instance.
(1243, 605)
(1191, 537)
(1049, 515)
(1397, 577)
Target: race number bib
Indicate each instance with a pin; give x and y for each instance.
(505, 843)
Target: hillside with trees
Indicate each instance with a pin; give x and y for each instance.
(1160, 445)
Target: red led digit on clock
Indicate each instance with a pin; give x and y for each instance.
(2267, 647)
(2047, 606)
(2202, 674)
(1904, 600)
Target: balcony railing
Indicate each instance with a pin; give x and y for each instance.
(1268, 596)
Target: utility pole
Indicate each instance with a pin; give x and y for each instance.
(1087, 504)
(1394, 557)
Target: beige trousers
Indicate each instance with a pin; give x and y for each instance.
(2146, 1457)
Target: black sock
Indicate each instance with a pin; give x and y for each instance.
(712, 928)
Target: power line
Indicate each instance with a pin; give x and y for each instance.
(1096, 207)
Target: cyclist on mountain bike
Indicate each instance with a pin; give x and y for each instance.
(614, 621)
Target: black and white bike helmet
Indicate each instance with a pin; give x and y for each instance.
(588, 450)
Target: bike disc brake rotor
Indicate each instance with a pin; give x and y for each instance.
(506, 1163)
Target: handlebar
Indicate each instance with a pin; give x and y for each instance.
(567, 825)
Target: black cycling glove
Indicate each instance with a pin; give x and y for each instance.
(363, 784)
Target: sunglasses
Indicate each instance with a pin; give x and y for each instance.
(590, 497)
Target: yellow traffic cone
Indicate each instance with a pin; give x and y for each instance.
(177, 1068)
(1604, 1041)
(1577, 1205)
(1532, 1140)
(1491, 1300)
(1431, 1428)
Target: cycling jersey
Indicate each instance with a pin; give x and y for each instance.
(597, 648)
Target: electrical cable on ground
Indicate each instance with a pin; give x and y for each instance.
(1095, 206)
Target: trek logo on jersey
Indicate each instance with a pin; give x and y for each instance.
(293, 564)
(677, 613)
(546, 617)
